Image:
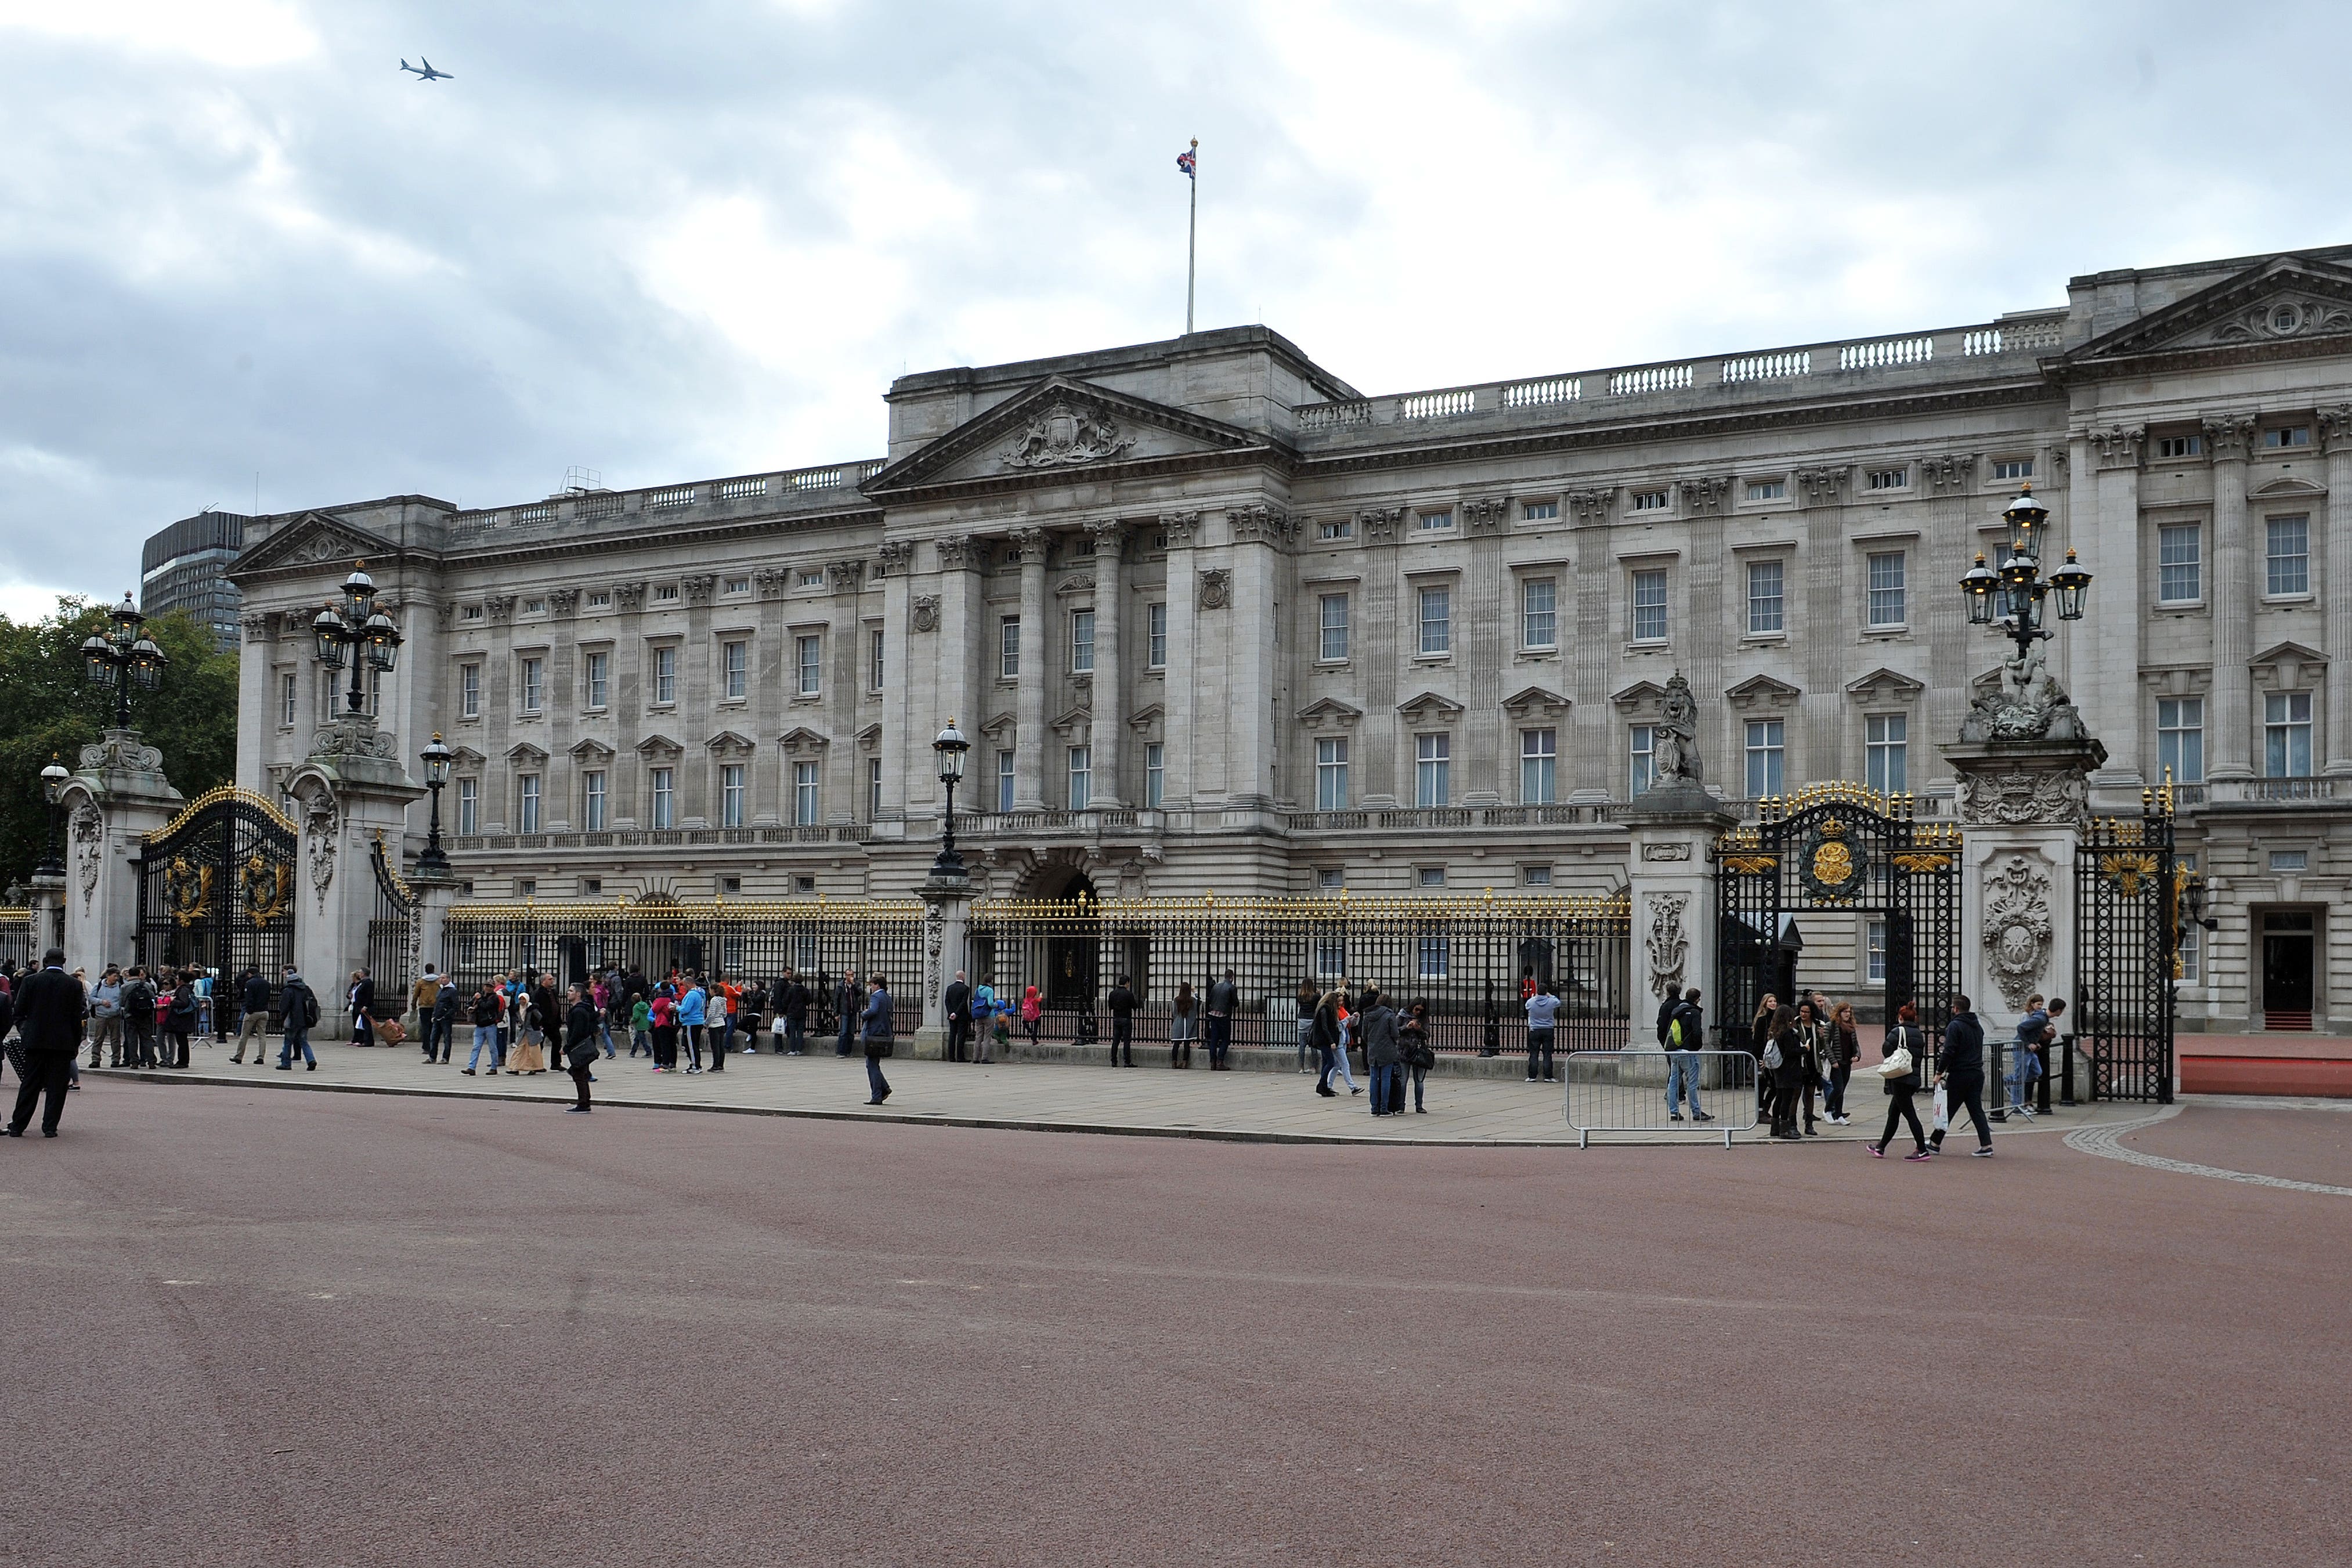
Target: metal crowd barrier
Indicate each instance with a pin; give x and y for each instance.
(1626, 1092)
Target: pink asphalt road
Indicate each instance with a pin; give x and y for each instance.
(258, 1328)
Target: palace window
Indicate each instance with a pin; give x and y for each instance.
(874, 646)
(1429, 876)
(808, 578)
(1766, 749)
(534, 606)
(473, 612)
(1643, 752)
(873, 789)
(2289, 539)
(1082, 775)
(665, 675)
(809, 657)
(1082, 642)
(1875, 953)
(599, 679)
(1336, 528)
(2181, 738)
(804, 793)
(1538, 767)
(1331, 774)
(469, 806)
(527, 818)
(600, 598)
(1766, 604)
(1430, 955)
(1649, 500)
(470, 693)
(2012, 468)
(1436, 608)
(1536, 876)
(666, 593)
(1432, 769)
(1433, 521)
(1540, 613)
(1886, 753)
(665, 798)
(1333, 645)
(1767, 490)
(1889, 478)
(2179, 563)
(1886, 607)
(2286, 736)
(534, 671)
(592, 801)
(1155, 637)
(1155, 775)
(730, 795)
(1004, 781)
(1540, 511)
(1008, 648)
(288, 687)
(2288, 436)
(735, 585)
(2179, 446)
(1650, 606)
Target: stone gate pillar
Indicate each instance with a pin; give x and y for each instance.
(435, 895)
(48, 905)
(350, 788)
(947, 915)
(1672, 894)
(113, 801)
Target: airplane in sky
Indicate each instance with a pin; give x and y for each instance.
(429, 73)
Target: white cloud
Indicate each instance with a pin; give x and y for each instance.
(243, 33)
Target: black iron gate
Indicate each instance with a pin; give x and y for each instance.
(216, 890)
(2126, 947)
(393, 934)
(1842, 849)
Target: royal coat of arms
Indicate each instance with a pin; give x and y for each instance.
(1065, 434)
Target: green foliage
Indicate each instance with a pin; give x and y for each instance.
(49, 708)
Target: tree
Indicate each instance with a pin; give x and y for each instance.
(49, 708)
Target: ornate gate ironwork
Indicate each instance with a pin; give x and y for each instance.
(216, 888)
(394, 932)
(2127, 885)
(1834, 848)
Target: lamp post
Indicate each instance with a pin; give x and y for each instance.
(122, 655)
(437, 758)
(2012, 597)
(950, 747)
(358, 629)
(53, 787)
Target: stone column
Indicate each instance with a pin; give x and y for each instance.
(2228, 728)
(255, 701)
(964, 660)
(947, 913)
(436, 896)
(350, 788)
(2022, 806)
(845, 678)
(1670, 832)
(1108, 705)
(2335, 587)
(48, 905)
(1182, 779)
(1029, 705)
(1253, 577)
(901, 737)
(2107, 683)
(115, 799)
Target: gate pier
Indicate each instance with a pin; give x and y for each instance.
(350, 791)
(1676, 930)
(113, 801)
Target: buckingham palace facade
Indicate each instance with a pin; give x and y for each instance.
(1218, 623)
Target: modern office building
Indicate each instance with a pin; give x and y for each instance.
(186, 567)
(1218, 622)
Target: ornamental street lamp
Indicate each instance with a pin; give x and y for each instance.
(2012, 597)
(52, 788)
(437, 758)
(950, 747)
(122, 655)
(358, 629)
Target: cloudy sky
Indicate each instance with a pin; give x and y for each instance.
(678, 241)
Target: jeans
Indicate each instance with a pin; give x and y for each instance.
(1899, 1110)
(1840, 1075)
(1387, 1088)
(1965, 1094)
(877, 1086)
(605, 1028)
(1682, 1077)
(848, 1028)
(486, 1034)
(1221, 1037)
(1306, 1033)
(297, 1039)
(2022, 1071)
(1323, 1062)
(1419, 1077)
(796, 1037)
(641, 1041)
(1339, 1065)
(1122, 1037)
(1538, 1050)
(724, 1038)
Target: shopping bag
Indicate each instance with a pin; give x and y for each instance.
(1943, 1110)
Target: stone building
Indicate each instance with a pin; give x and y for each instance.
(1216, 621)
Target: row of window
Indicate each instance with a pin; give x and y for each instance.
(597, 686)
(1082, 642)
(2286, 736)
(1078, 763)
(805, 800)
(2181, 562)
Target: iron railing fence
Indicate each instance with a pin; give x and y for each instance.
(2127, 887)
(1626, 1092)
(751, 942)
(393, 933)
(1468, 957)
(17, 940)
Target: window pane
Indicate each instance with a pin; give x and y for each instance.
(1887, 588)
(1765, 614)
(1008, 654)
(1539, 766)
(1764, 753)
(1888, 745)
(1333, 642)
(665, 675)
(1541, 616)
(1158, 654)
(1082, 642)
(2180, 739)
(735, 664)
(2178, 566)
(810, 651)
(1649, 606)
(1433, 766)
(665, 798)
(1081, 776)
(1155, 775)
(1004, 781)
(2290, 555)
(1436, 620)
(1642, 776)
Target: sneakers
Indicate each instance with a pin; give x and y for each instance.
(1701, 1116)
(467, 1072)
(1674, 1116)
(1922, 1154)
(1876, 1151)
(1980, 1153)
(694, 1069)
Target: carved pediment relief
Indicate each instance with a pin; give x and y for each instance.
(868, 739)
(1429, 705)
(1536, 702)
(659, 746)
(1761, 691)
(1329, 713)
(2281, 303)
(803, 742)
(1642, 697)
(1075, 588)
(2288, 666)
(1058, 425)
(2290, 489)
(1885, 685)
(526, 755)
(314, 541)
(590, 751)
(730, 744)
(1148, 719)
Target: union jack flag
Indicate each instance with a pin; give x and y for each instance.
(1189, 163)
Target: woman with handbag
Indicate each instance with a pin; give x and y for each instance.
(580, 1032)
(1904, 1041)
(1183, 1026)
(1759, 1031)
(1419, 1056)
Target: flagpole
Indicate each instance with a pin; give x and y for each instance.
(1193, 237)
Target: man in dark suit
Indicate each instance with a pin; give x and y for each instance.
(363, 998)
(956, 1002)
(48, 1018)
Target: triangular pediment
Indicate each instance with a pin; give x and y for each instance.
(1761, 690)
(659, 746)
(1641, 694)
(869, 737)
(525, 754)
(802, 741)
(1884, 682)
(1330, 710)
(590, 750)
(1074, 721)
(1058, 426)
(313, 541)
(2290, 489)
(1000, 728)
(465, 759)
(1149, 714)
(2289, 653)
(2279, 307)
(730, 743)
(1535, 700)
(1429, 704)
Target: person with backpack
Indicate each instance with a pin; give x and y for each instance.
(1686, 1035)
(1959, 1070)
(1810, 1033)
(1033, 1017)
(298, 1010)
(137, 1019)
(489, 1006)
(1420, 1055)
(1225, 999)
(423, 996)
(106, 1018)
(445, 1021)
(640, 1024)
(1122, 1022)
(180, 1012)
(1905, 1043)
(1784, 1062)
(253, 997)
(663, 1011)
(1383, 1055)
(1543, 1009)
(794, 1008)
(987, 1024)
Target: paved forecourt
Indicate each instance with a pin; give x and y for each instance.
(1147, 1099)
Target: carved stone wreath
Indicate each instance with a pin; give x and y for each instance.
(1216, 588)
(2017, 928)
(924, 614)
(1669, 948)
